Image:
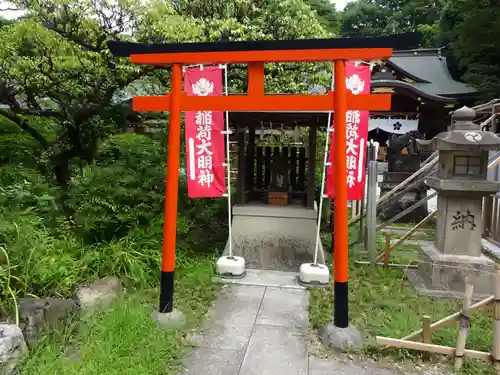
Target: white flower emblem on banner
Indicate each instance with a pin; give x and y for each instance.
(355, 84)
(203, 87)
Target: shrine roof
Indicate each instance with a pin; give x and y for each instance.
(429, 70)
(395, 41)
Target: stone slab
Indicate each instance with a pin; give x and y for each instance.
(276, 279)
(271, 243)
(208, 361)
(284, 307)
(230, 322)
(318, 366)
(424, 289)
(402, 231)
(275, 350)
(412, 242)
(265, 210)
(449, 272)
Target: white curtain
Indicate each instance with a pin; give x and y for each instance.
(396, 126)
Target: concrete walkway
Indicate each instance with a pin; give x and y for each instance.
(262, 329)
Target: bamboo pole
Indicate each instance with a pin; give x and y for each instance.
(449, 320)
(360, 233)
(431, 161)
(426, 335)
(430, 158)
(393, 265)
(386, 196)
(405, 236)
(371, 217)
(464, 325)
(446, 350)
(489, 119)
(412, 185)
(495, 352)
(494, 163)
(406, 211)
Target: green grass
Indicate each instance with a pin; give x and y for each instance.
(383, 303)
(123, 339)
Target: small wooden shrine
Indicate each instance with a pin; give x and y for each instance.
(276, 161)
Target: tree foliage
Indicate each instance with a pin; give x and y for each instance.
(468, 29)
(262, 20)
(327, 14)
(383, 17)
(471, 31)
(55, 63)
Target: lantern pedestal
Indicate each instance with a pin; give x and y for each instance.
(444, 275)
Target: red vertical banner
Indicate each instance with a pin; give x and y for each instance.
(358, 79)
(205, 158)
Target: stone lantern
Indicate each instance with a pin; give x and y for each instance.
(461, 183)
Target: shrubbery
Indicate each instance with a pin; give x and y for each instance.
(109, 222)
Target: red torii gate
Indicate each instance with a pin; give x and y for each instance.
(256, 54)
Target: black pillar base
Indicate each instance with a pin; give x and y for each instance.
(166, 292)
(340, 305)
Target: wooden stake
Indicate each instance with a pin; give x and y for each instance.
(495, 352)
(464, 325)
(361, 232)
(387, 247)
(404, 237)
(426, 334)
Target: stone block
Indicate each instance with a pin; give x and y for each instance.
(459, 225)
(340, 339)
(100, 293)
(12, 348)
(172, 320)
(443, 275)
(36, 315)
(273, 237)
